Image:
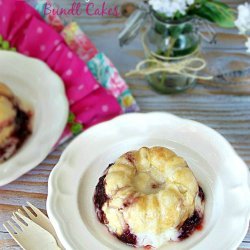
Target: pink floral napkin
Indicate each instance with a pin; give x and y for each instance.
(24, 28)
(99, 64)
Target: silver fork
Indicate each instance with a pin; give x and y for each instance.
(29, 235)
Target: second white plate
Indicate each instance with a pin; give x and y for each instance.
(221, 173)
(33, 82)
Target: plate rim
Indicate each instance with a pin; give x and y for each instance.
(53, 194)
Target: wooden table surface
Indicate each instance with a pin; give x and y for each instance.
(224, 106)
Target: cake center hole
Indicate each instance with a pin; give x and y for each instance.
(155, 185)
(145, 183)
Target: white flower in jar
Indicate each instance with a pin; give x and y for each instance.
(243, 20)
(171, 7)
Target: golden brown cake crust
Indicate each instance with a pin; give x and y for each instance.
(150, 190)
(7, 113)
(5, 91)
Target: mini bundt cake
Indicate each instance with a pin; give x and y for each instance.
(148, 197)
(14, 124)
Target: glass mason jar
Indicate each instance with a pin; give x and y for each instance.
(171, 42)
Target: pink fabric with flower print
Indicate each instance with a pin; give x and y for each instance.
(78, 41)
(23, 27)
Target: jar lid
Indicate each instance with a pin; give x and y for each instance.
(133, 26)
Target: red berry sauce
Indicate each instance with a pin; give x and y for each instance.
(21, 132)
(127, 237)
(201, 194)
(190, 225)
(194, 222)
(101, 197)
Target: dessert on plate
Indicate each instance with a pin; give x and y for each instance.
(149, 197)
(14, 124)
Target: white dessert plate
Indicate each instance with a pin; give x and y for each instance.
(221, 173)
(42, 90)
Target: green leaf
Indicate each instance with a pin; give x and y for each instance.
(175, 31)
(216, 12)
(76, 128)
(71, 118)
(178, 16)
(5, 45)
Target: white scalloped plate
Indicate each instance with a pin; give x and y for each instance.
(222, 174)
(35, 84)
